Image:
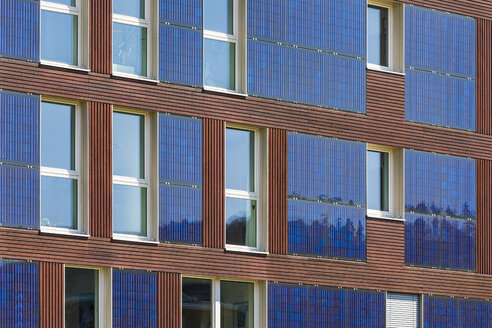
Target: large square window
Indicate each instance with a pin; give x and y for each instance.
(243, 209)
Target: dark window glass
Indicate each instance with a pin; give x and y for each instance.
(197, 303)
(81, 298)
(377, 35)
(236, 304)
(377, 180)
(241, 222)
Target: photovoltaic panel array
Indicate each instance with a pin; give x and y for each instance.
(440, 77)
(19, 294)
(19, 29)
(316, 307)
(19, 159)
(180, 41)
(134, 299)
(326, 197)
(440, 311)
(180, 179)
(440, 207)
(308, 51)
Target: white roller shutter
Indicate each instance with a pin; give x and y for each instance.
(402, 311)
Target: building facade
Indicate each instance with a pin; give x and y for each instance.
(245, 163)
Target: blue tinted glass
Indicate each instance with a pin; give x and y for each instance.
(240, 159)
(129, 49)
(130, 210)
(134, 8)
(218, 15)
(59, 40)
(219, 64)
(58, 202)
(377, 181)
(241, 222)
(128, 145)
(377, 35)
(58, 136)
(64, 2)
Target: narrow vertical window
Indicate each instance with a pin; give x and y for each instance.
(131, 25)
(377, 180)
(242, 188)
(130, 174)
(237, 304)
(377, 35)
(81, 298)
(60, 167)
(61, 31)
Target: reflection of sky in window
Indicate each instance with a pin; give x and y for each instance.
(218, 16)
(58, 136)
(240, 159)
(219, 60)
(374, 180)
(130, 210)
(375, 35)
(59, 37)
(128, 145)
(129, 49)
(58, 202)
(241, 222)
(133, 8)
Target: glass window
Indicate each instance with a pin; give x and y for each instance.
(241, 191)
(60, 27)
(377, 35)
(81, 298)
(196, 303)
(59, 167)
(378, 180)
(131, 24)
(130, 184)
(219, 16)
(236, 304)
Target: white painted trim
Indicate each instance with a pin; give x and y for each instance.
(244, 249)
(222, 90)
(63, 65)
(374, 67)
(63, 231)
(134, 238)
(134, 77)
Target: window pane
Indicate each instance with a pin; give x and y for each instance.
(241, 222)
(129, 145)
(81, 298)
(64, 2)
(129, 49)
(220, 63)
(134, 8)
(377, 38)
(59, 37)
(58, 135)
(58, 202)
(219, 16)
(236, 304)
(130, 210)
(377, 180)
(240, 159)
(196, 303)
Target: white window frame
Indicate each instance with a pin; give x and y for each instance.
(150, 172)
(259, 299)
(238, 39)
(151, 24)
(257, 195)
(80, 10)
(396, 36)
(80, 167)
(395, 183)
(104, 289)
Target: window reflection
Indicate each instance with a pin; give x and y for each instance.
(129, 210)
(236, 304)
(196, 303)
(241, 222)
(220, 63)
(377, 35)
(59, 202)
(59, 40)
(129, 49)
(81, 298)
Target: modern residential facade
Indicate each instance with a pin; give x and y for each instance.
(245, 163)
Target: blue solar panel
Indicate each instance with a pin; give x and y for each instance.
(458, 44)
(19, 128)
(19, 196)
(346, 83)
(180, 55)
(423, 91)
(267, 20)
(180, 214)
(19, 294)
(180, 149)
(422, 240)
(19, 29)
(327, 308)
(307, 231)
(458, 186)
(134, 299)
(346, 232)
(475, 314)
(458, 103)
(181, 12)
(366, 310)
(267, 69)
(347, 27)
(308, 23)
(458, 243)
(287, 306)
(441, 312)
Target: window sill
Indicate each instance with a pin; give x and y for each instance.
(224, 91)
(384, 70)
(132, 77)
(134, 239)
(246, 250)
(384, 217)
(63, 232)
(50, 64)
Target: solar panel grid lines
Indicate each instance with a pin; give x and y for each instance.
(444, 311)
(182, 12)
